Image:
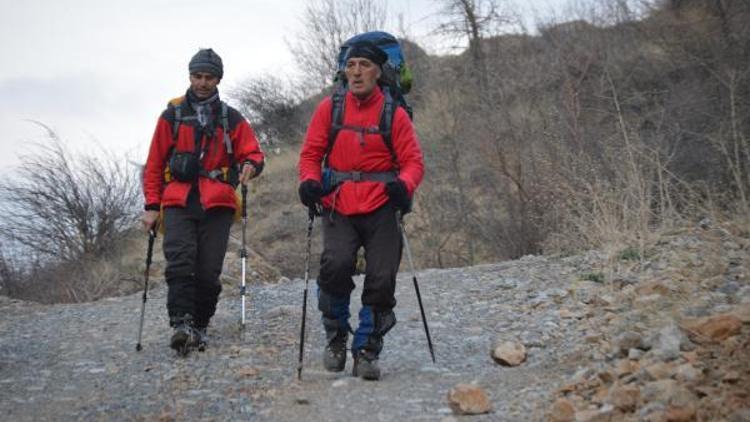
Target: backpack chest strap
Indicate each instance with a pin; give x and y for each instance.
(360, 129)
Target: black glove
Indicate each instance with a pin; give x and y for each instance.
(310, 192)
(398, 195)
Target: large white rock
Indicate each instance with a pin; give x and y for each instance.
(509, 353)
(468, 399)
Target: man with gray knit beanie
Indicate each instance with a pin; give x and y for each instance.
(206, 60)
(201, 150)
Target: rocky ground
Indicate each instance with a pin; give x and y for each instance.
(657, 333)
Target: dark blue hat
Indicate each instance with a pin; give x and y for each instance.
(367, 50)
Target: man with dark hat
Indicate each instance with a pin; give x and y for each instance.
(201, 150)
(361, 210)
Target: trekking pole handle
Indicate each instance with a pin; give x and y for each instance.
(244, 200)
(151, 238)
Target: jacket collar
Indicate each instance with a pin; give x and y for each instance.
(193, 101)
(373, 98)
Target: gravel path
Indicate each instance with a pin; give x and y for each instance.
(79, 361)
(598, 331)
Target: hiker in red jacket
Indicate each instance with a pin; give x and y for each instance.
(366, 183)
(201, 150)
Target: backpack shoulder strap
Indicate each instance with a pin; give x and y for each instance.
(177, 104)
(337, 118)
(386, 123)
(225, 129)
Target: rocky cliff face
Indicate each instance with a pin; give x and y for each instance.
(658, 333)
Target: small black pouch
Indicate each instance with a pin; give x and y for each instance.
(184, 166)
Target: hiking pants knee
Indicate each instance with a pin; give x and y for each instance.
(195, 242)
(343, 235)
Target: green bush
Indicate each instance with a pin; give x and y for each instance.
(595, 277)
(630, 254)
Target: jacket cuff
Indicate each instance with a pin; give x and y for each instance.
(258, 166)
(408, 185)
(152, 207)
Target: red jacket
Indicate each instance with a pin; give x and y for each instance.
(350, 154)
(213, 193)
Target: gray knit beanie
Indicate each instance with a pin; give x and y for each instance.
(206, 60)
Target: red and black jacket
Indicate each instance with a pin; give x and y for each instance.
(213, 193)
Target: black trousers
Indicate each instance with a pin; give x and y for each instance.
(195, 242)
(378, 233)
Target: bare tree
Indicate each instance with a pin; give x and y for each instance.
(326, 24)
(473, 20)
(272, 107)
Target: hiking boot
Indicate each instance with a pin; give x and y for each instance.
(334, 357)
(201, 335)
(183, 336)
(366, 366)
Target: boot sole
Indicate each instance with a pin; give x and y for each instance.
(370, 377)
(334, 368)
(334, 365)
(366, 376)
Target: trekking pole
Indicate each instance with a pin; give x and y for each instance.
(243, 253)
(399, 221)
(310, 219)
(149, 253)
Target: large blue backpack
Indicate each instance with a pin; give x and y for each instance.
(395, 82)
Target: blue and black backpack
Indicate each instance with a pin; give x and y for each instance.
(395, 82)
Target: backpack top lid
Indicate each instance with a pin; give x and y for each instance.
(384, 40)
(396, 73)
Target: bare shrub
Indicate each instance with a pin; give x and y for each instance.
(11, 271)
(64, 212)
(273, 108)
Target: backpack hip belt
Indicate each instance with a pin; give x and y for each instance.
(337, 177)
(223, 174)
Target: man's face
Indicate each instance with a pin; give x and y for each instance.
(203, 84)
(362, 76)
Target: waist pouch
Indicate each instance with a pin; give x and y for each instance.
(184, 166)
